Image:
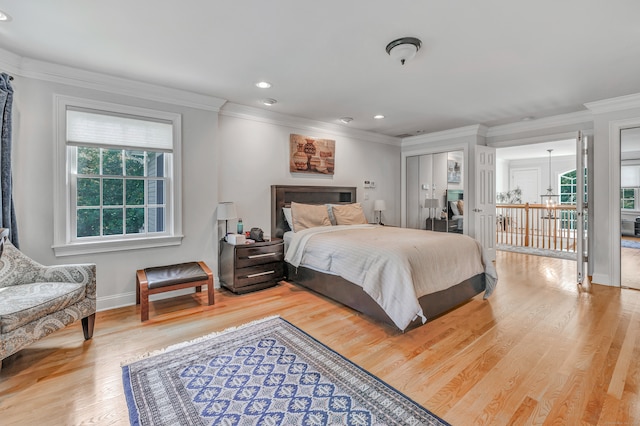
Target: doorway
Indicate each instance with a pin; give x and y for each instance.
(630, 208)
(536, 187)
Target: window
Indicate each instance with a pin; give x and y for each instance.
(628, 198)
(121, 177)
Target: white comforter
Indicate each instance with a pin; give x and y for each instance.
(395, 266)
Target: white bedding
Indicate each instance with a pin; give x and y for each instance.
(395, 266)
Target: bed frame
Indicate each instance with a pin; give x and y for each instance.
(341, 290)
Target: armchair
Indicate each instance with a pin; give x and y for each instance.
(36, 300)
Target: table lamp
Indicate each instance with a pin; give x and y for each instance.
(226, 211)
(379, 206)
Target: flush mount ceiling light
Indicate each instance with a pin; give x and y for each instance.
(378, 117)
(269, 101)
(263, 84)
(4, 16)
(404, 49)
(346, 120)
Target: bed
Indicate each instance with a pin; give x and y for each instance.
(347, 292)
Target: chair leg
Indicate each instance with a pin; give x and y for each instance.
(87, 326)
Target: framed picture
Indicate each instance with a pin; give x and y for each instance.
(311, 155)
(453, 171)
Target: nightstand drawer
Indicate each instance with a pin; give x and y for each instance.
(261, 273)
(251, 256)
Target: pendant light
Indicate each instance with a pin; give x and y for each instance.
(550, 200)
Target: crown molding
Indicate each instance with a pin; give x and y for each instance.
(541, 123)
(614, 104)
(10, 62)
(270, 117)
(460, 132)
(47, 71)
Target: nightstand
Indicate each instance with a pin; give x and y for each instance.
(442, 225)
(249, 267)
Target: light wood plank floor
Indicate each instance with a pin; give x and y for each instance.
(630, 265)
(541, 350)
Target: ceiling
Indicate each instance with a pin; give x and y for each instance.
(490, 62)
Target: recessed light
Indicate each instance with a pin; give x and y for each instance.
(346, 120)
(269, 101)
(263, 84)
(4, 16)
(378, 117)
(527, 118)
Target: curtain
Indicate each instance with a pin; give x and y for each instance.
(7, 211)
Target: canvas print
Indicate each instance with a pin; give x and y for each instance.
(311, 155)
(453, 171)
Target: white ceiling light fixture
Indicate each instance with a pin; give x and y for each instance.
(378, 116)
(346, 120)
(404, 49)
(263, 84)
(269, 101)
(4, 17)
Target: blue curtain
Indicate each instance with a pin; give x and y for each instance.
(7, 211)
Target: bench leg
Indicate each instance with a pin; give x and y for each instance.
(144, 301)
(206, 269)
(142, 294)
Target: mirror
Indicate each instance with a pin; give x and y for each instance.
(435, 191)
(630, 208)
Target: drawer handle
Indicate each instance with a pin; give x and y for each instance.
(256, 256)
(260, 274)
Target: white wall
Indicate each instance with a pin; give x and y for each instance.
(33, 145)
(254, 154)
(559, 166)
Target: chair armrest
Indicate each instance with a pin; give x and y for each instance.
(81, 273)
(21, 269)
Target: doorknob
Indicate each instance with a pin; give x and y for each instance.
(477, 210)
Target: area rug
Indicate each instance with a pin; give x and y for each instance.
(630, 244)
(267, 372)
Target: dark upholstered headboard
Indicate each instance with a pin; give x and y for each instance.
(283, 195)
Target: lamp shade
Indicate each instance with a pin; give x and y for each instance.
(431, 203)
(227, 210)
(379, 205)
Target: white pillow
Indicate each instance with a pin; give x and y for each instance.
(454, 208)
(287, 216)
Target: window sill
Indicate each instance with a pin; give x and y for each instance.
(73, 249)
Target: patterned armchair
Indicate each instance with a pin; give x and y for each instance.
(36, 300)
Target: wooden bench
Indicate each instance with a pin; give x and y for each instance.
(172, 277)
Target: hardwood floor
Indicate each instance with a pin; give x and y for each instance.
(541, 350)
(630, 265)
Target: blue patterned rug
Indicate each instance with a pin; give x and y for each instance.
(265, 373)
(630, 244)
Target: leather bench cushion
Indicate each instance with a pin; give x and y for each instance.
(163, 276)
(21, 304)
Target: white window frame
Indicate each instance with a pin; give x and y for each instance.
(63, 197)
(636, 192)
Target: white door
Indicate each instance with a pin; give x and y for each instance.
(485, 200)
(581, 206)
(528, 180)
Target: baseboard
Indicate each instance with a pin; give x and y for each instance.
(129, 299)
(601, 279)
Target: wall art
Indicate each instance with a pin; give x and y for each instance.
(311, 155)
